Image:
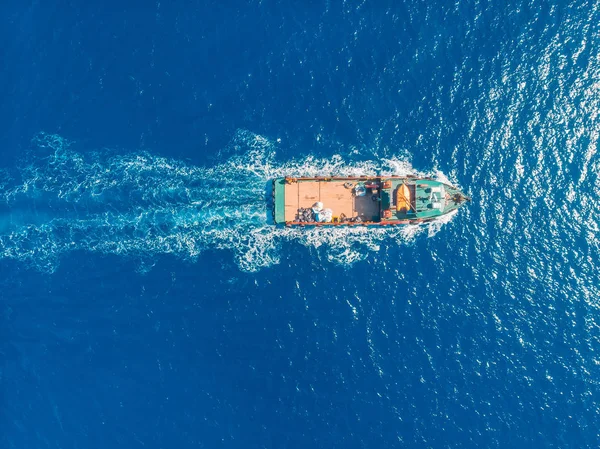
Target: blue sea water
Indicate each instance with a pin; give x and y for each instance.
(145, 301)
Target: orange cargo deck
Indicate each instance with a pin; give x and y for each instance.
(333, 195)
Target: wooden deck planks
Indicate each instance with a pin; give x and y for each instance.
(336, 197)
(332, 194)
(291, 201)
(309, 193)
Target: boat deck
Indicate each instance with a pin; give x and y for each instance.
(368, 200)
(333, 195)
(421, 198)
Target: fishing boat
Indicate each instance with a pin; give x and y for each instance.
(368, 201)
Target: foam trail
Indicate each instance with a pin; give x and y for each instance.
(143, 205)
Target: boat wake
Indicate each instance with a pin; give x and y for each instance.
(142, 205)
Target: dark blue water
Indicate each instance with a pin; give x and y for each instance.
(146, 302)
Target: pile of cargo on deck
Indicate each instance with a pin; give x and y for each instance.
(315, 214)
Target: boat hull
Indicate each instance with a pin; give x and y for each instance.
(362, 201)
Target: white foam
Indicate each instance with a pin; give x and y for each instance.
(143, 205)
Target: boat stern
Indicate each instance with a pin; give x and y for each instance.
(279, 200)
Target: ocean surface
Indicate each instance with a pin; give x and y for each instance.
(146, 302)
